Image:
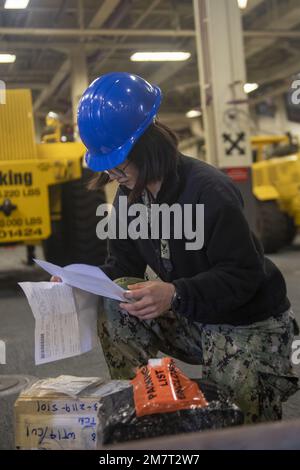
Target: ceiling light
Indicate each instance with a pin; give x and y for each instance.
(7, 58)
(16, 4)
(249, 87)
(159, 56)
(193, 113)
(243, 4)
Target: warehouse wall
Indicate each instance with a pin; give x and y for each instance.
(278, 125)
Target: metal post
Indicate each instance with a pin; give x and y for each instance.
(79, 81)
(221, 64)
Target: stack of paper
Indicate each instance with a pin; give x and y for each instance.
(65, 320)
(66, 313)
(85, 277)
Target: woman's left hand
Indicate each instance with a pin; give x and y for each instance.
(152, 299)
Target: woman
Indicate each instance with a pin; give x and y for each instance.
(223, 305)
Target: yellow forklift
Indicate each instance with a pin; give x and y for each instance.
(276, 187)
(43, 194)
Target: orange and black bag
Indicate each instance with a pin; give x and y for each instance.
(161, 387)
(161, 401)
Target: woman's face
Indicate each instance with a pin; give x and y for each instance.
(125, 174)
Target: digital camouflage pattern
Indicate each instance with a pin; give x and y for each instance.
(252, 363)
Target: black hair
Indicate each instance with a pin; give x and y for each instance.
(154, 155)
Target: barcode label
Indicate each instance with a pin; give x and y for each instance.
(42, 344)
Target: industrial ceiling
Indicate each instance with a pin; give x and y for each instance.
(45, 33)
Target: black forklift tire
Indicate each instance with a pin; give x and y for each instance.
(271, 226)
(291, 230)
(73, 238)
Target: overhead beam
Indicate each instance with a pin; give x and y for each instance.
(33, 74)
(183, 9)
(280, 90)
(279, 25)
(106, 10)
(136, 24)
(71, 32)
(273, 33)
(103, 13)
(31, 85)
(168, 70)
(276, 33)
(278, 72)
(11, 46)
(90, 46)
(252, 4)
(55, 82)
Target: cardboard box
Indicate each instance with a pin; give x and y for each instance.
(61, 413)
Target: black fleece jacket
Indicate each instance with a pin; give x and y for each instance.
(228, 280)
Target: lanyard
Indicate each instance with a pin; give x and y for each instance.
(163, 251)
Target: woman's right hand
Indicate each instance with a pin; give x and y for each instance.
(55, 279)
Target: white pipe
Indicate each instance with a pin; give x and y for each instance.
(96, 32)
(133, 32)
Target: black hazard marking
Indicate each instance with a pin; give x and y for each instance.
(235, 142)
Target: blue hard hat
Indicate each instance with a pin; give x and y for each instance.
(114, 111)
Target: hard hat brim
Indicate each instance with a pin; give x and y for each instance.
(101, 162)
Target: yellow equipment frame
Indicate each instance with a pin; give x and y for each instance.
(277, 179)
(28, 170)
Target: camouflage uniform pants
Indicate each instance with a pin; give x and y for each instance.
(252, 363)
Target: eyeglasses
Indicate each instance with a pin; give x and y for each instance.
(120, 173)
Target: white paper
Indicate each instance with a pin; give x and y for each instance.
(67, 384)
(88, 278)
(65, 320)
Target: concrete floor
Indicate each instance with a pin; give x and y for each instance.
(17, 324)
